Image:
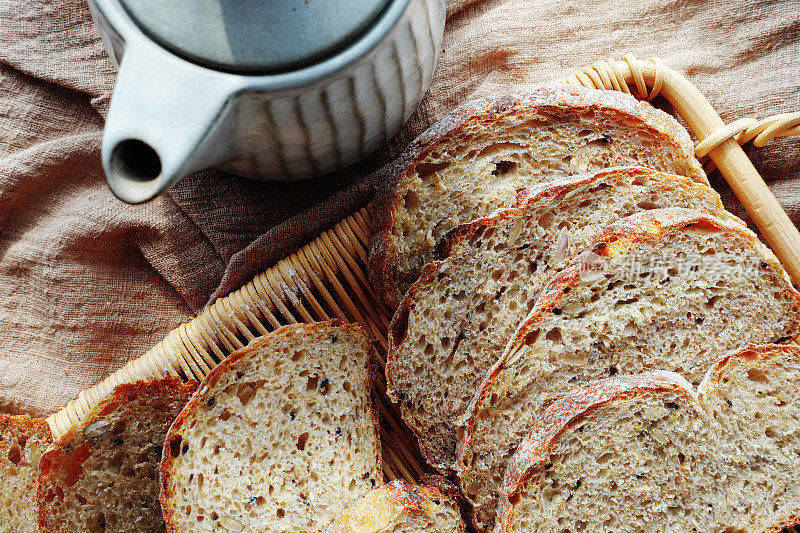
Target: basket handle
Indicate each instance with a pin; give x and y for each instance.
(716, 139)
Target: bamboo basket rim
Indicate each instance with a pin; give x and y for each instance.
(327, 278)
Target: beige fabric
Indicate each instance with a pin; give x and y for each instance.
(87, 282)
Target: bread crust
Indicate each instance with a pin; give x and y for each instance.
(18, 476)
(567, 412)
(555, 99)
(393, 502)
(749, 352)
(74, 437)
(622, 236)
(542, 192)
(580, 402)
(745, 354)
(192, 407)
(380, 508)
(618, 238)
(36, 427)
(397, 329)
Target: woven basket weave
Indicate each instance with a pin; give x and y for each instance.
(327, 278)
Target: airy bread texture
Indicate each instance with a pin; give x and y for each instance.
(645, 453)
(474, 161)
(281, 436)
(664, 289)
(102, 474)
(456, 319)
(22, 441)
(400, 507)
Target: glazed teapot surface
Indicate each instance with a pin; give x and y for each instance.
(276, 89)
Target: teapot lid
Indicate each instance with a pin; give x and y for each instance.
(255, 36)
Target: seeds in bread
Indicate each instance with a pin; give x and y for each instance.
(753, 397)
(674, 289)
(400, 507)
(474, 160)
(102, 474)
(645, 453)
(281, 436)
(22, 441)
(456, 319)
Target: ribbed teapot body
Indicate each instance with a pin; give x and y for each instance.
(170, 115)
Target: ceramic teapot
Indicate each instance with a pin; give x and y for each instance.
(268, 89)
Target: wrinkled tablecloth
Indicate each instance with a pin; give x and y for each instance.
(88, 282)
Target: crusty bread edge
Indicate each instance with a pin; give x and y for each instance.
(37, 427)
(380, 508)
(390, 192)
(749, 352)
(395, 500)
(448, 491)
(614, 240)
(120, 395)
(567, 412)
(216, 374)
(549, 191)
(741, 356)
(625, 234)
(398, 326)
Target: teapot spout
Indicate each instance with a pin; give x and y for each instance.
(134, 172)
(167, 119)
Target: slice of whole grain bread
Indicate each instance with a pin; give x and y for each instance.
(22, 442)
(400, 507)
(645, 453)
(663, 289)
(474, 160)
(454, 322)
(102, 474)
(281, 436)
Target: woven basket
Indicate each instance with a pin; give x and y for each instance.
(327, 278)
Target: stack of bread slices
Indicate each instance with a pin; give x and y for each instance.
(584, 340)
(539, 242)
(282, 436)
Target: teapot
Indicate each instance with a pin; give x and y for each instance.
(267, 89)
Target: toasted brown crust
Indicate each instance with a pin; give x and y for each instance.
(622, 236)
(35, 427)
(74, 438)
(553, 99)
(568, 411)
(219, 372)
(551, 190)
(380, 508)
(741, 356)
(20, 433)
(392, 502)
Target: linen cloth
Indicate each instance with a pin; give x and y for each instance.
(88, 282)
